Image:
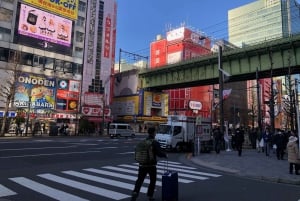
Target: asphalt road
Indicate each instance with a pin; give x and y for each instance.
(103, 169)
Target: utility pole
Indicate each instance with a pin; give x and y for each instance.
(272, 95)
(259, 121)
(221, 88)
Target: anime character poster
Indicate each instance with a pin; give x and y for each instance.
(37, 89)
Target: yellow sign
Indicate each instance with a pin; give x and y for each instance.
(67, 8)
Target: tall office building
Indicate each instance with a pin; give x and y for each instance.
(256, 22)
(42, 43)
(263, 20)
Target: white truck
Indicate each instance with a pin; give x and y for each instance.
(182, 132)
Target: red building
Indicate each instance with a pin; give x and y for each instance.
(183, 44)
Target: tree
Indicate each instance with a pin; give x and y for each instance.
(8, 87)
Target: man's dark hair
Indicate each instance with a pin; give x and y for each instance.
(151, 131)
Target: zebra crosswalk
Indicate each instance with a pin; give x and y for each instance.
(109, 182)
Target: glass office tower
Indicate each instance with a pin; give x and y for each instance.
(263, 20)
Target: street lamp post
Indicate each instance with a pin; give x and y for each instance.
(27, 117)
(103, 109)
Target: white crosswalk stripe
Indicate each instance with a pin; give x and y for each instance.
(5, 191)
(46, 190)
(121, 177)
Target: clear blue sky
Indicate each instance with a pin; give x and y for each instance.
(139, 21)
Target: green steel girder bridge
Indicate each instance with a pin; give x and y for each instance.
(271, 58)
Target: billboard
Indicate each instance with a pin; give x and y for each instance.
(67, 97)
(43, 30)
(39, 88)
(65, 8)
(44, 26)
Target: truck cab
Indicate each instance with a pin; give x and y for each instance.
(176, 134)
(180, 133)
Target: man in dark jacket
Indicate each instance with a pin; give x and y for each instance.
(239, 140)
(149, 168)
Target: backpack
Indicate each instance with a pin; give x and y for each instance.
(144, 152)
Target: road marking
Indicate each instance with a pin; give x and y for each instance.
(53, 154)
(129, 152)
(178, 166)
(5, 191)
(179, 173)
(85, 187)
(45, 190)
(147, 181)
(103, 180)
(32, 148)
(192, 172)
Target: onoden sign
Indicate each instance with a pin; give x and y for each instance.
(67, 8)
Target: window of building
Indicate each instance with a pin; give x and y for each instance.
(4, 34)
(78, 52)
(81, 6)
(14, 56)
(49, 63)
(79, 36)
(157, 60)
(5, 15)
(59, 65)
(4, 54)
(68, 67)
(80, 21)
(26, 59)
(77, 68)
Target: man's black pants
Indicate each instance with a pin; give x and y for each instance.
(143, 171)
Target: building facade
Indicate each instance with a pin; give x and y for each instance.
(42, 47)
(182, 44)
(256, 22)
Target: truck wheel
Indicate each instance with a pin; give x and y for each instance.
(178, 148)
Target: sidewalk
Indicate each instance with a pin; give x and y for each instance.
(251, 164)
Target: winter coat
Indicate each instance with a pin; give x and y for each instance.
(293, 151)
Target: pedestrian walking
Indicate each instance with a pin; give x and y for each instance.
(293, 151)
(217, 139)
(267, 136)
(148, 168)
(279, 141)
(239, 140)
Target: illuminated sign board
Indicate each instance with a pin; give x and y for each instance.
(39, 88)
(67, 96)
(44, 26)
(66, 8)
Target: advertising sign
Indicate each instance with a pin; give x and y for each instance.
(65, 8)
(40, 88)
(67, 97)
(38, 24)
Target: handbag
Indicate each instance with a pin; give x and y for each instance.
(261, 143)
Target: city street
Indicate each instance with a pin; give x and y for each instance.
(100, 168)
